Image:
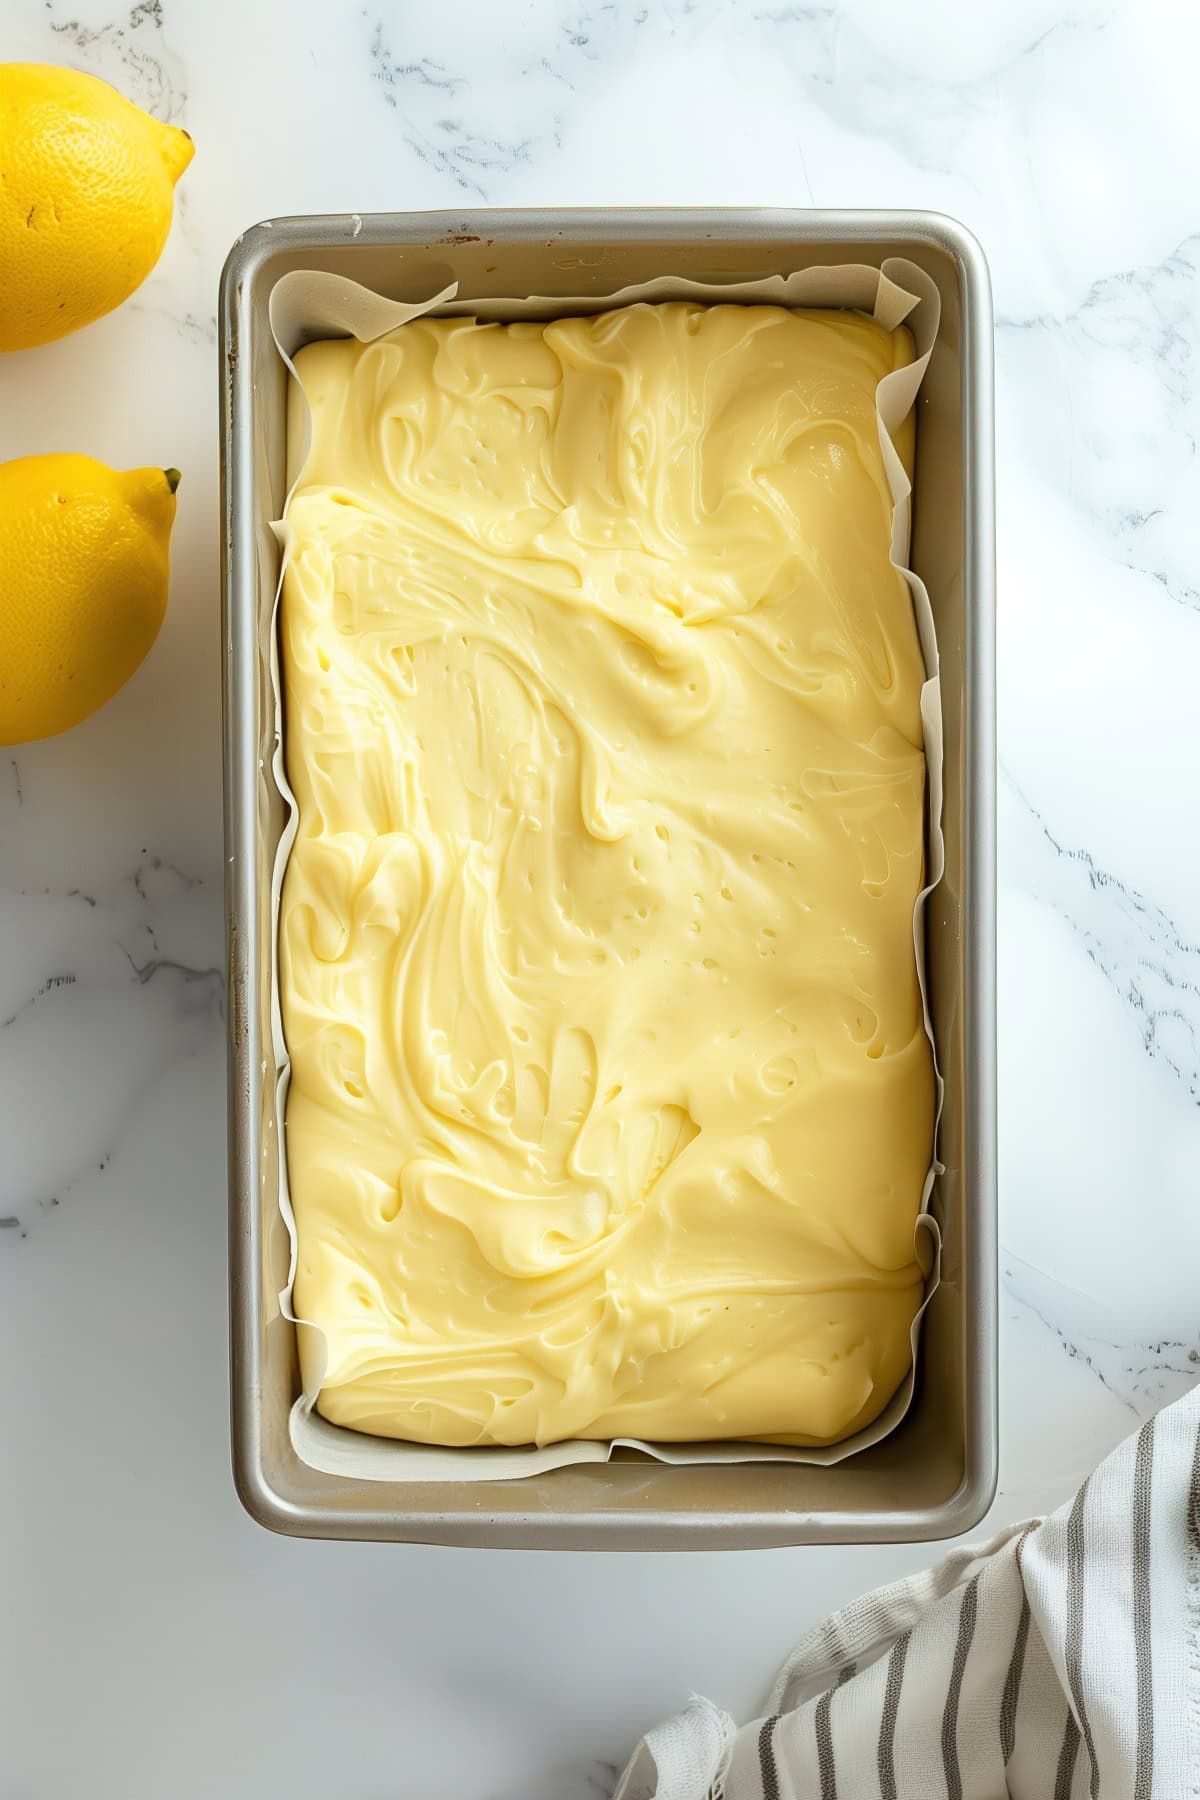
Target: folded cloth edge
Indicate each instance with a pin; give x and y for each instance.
(1064, 1650)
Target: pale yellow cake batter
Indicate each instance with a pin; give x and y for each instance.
(611, 1101)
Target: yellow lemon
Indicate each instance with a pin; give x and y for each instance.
(87, 181)
(85, 554)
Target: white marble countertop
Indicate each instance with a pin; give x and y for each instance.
(166, 1645)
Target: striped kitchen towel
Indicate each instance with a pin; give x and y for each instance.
(1059, 1661)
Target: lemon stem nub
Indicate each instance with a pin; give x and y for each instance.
(173, 478)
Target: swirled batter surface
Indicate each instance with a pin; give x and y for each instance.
(611, 1101)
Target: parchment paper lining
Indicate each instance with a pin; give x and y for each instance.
(310, 304)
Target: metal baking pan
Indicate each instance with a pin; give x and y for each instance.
(936, 1474)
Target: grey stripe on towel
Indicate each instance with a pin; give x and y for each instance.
(962, 1648)
(1016, 1664)
(1075, 1561)
(766, 1759)
(886, 1755)
(826, 1762)
(1143, 1783)
(1061, 1657)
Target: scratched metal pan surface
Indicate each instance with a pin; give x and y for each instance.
(936, 1474)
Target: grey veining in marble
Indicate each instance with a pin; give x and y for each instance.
(192, 1653)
